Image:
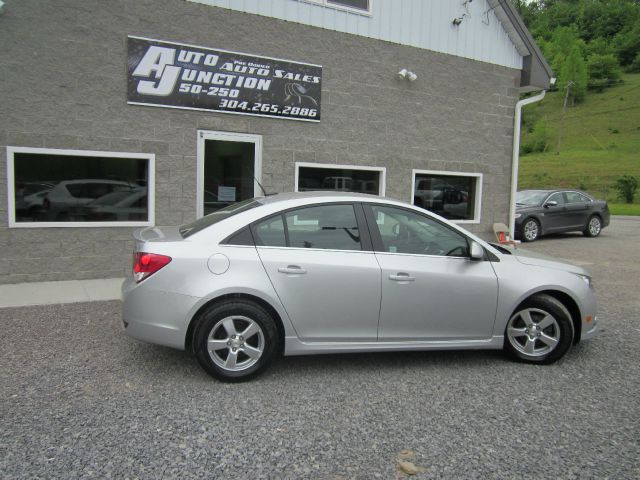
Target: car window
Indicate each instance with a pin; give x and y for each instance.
(556, 197)
(575, 197)
(200, 224)
(324, 226)
(403, 231)
(270, 232)
(530, 198)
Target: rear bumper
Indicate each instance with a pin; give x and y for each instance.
(155, 316)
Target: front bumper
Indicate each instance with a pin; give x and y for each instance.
(589, 330)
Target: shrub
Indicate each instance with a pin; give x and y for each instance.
(627, 186)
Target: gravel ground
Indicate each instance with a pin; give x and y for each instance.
(81, 400)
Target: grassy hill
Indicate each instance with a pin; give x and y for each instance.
(598, 141)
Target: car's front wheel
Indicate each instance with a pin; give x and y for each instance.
(594, 227)
(235, 340)
(530, 230)
(539, 331)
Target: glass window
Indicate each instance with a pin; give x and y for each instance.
(76, 187)
(455, 197)
(325, 226)
(556, 197)
(358, 4)
(575, 197)
(243, 237)
(270, 232)
(403, 231)
(339, 179)
(200, 224)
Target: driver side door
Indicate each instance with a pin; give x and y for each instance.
(431, 289)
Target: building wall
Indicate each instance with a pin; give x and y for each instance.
(63, 85)
(418, 23)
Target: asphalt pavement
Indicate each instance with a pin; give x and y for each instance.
(81, 400)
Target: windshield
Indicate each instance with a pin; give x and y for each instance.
(200, 224)
(530, 198)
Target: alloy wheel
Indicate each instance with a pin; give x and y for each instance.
(533, 332)
(235, 343)
(531, 230)
(594, 226)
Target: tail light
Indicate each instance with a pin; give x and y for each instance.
(146, 264)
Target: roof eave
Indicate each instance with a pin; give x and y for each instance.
(536, 72)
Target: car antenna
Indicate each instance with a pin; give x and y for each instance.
(264, 192)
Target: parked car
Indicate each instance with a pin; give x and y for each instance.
(70, 194)
(540, 212)
(29, 206)
(327, 272)
(121, 205)
(438, 196)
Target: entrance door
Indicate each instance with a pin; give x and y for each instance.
(229, 169)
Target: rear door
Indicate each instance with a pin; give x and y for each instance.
(320, 262)
(578, 209)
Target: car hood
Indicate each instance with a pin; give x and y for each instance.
(528, 257)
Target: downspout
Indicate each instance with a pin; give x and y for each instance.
(516, 155)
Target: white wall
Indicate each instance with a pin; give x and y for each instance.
(418, 23)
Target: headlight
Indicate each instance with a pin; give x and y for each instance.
(586, 279)
(517, 215)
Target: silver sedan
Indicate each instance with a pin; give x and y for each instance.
(325, 272)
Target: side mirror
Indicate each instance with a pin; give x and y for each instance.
(552, 203)
(476, 252)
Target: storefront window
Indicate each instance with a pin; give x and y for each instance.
(455, 196)
(51, 187)
(314, 177)
(357, 4)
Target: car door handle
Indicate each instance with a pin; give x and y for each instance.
(402, 277)
(292, 269)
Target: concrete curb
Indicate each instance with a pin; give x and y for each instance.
(72, 291)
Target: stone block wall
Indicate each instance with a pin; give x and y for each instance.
(63, 85)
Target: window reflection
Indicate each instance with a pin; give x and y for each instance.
(52, 187)
(451, 196)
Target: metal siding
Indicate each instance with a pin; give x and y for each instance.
(418, 23)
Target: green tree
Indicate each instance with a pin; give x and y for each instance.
(627, 44)
(573, 76)
(604, 71)
(627, 186)
(538, 140)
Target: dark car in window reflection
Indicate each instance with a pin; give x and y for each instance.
(541, 212)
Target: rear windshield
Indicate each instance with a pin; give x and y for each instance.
(200, 224)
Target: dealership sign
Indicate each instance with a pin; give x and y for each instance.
(184, 76)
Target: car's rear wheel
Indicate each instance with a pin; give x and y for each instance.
(530, 230)
(594, 227)
(539, 331)
(235, 340)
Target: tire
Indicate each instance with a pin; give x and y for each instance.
(539, 331)
(594, 227)
(246, 338)
(530, 230)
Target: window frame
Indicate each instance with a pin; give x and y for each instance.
(324, 3)
(477, 210)
(382, 185)
(376, 237)
(11, 206)
(202, 137)
(358, 209)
